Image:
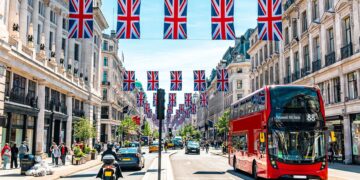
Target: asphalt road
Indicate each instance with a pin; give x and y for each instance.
(130, 174)
(203, 166)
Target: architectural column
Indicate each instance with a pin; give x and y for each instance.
(98, 123)
(88, 108)
(23, 21)
(323, 44)
(40, 140)
(338, 37)
(59, 36)
(13, 16)
(332, 99)
(347, 139)
(71, 48)
(2, 94)
(358, 81)
(342, 86)
(35, 18)
(356, 23)
(108, 132)
(69, 120)
(47, 29)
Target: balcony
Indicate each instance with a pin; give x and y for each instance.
(316, 65)
(330, 59)
(287, 4)
(305, 71)
(19, 97)
(287, 79)
(347, 51)
(296, 75)
(78, 113)
(105, 83)
(104, 116)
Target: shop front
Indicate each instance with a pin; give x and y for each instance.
(335, 137)
(355, 133)
(54, 129)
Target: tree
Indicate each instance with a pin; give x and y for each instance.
(147, 129)
(188, 131)
(155, 134)
(83, 130)
(126, 126)
(222, 125)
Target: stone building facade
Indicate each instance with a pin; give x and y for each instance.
(50, 81)
(321, 47)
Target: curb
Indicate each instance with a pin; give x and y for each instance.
(170, 174)
(78, 170)
(169, 171)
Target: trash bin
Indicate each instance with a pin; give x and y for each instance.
(27, 163)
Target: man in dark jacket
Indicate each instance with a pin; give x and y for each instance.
(63, 152)
(110, 151)
(14, 154)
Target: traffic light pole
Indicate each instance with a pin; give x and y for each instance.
(160, 108)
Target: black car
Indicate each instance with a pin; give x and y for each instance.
(131, 158)
(192, 147)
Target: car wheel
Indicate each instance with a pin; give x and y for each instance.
(254, 171)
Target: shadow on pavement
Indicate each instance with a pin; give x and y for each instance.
(153, 170)
(209, 172)
(80, 176)
(344, 167)
(12, 175)
(137, 174)
(240, 174)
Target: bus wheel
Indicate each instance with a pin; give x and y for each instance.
(234, 163)
(254, 171)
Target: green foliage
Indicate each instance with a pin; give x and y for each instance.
(189, 132)
(84, 130)
(127, 143)
(87, 149)
(155, 134)
(127, 125)
(222, 125)
(147, 129)
(78, 153)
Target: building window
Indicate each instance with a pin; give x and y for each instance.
(271, 47)
(77, 52)
(328, 97)
(111, 48)
(322, 90)
(105, 61)
(306, 58)
(296, 65)
(352, 86)
(304, 21)
(329, 4)
(239, 96)
(294, 28)
(288, 68)
(51, 38)
(331, 40)
(53, 17)
(105, 46)
(347, 31)
(104, 94)
(64, 25)
(256, 60)
(261, 80)
(315, 10)
(257, 82)
(277, 46)
(265, 51)
(317, 50)
(286, 36)
(31, 89)
(239, 70)
(7, 83)
(261, 56)
(105, 76)
(41, 9)
(277, 77)
(239, 84)
(19, 84)
(266, 75)
(63, 46)
(337, 90)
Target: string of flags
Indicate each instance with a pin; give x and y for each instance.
(81, 19)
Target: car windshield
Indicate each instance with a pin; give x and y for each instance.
(128, 150)
(297, 146)
(155, 143)
(134, 145)
(193, 143)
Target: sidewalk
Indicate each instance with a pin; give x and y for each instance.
(58, 171)
(166, 168)
(218, 152)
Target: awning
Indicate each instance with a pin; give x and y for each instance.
(334, 118)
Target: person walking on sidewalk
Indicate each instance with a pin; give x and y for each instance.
(207, 145)
(6, 154)
(64, 152)
(51, 150)
(56, 154)
(166, 146)
(23, 149)
(14, 154)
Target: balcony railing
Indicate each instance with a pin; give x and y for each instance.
(330, 59)
(64, 109)
(19, 97)
(288, 4)
(104, 116)
(305, 71)
(296, 75)
(287, 79)
(347, 51)
(105, 83)
(78, 113)
(316, 65)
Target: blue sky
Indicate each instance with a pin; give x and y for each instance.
(199, 52)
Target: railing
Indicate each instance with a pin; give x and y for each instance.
(288, 4)
(305, 71)
(347, 51)
(104, 116)
(78, 113)
(19, 97)
(330, 59)
(64, 109)
(316, 65)
(296, 75)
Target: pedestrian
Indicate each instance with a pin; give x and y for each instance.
(6, 154)
(51, 150)
(207, 147)
(331, 153)
(14, 154)
(23, 150)
(166, 146)
(56, 154)
(64, 152)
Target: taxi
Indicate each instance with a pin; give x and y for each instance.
(154, 147)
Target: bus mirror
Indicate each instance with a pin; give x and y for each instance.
(333, 137)
(262, 137)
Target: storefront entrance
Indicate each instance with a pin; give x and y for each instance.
(336, 129)
(355, 132)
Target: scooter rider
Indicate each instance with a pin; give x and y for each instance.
(110, 151)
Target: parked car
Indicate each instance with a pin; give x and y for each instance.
(154, 146)
(192, 147)
(131, 158)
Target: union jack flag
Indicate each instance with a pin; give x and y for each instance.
(188, 99)
(81, 19)
(199, 80)
(203, 100)
(193, 108)
(140, 99)
(147, 108)
(154, 99)
(181, 108)
(170, 108)
(269, 20)
(175, 19)
(129, 80)
(176, 80)
(187, 113)
(153, 80)
(172, 99)
(222, 19)
(222, 80)
(128, 19)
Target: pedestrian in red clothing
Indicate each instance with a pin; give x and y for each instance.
(6, 154)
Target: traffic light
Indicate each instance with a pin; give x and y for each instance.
(160, 106)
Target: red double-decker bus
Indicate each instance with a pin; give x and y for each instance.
(279, 132)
